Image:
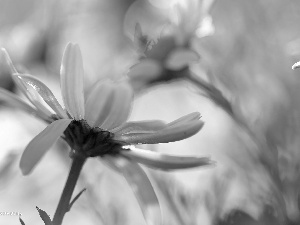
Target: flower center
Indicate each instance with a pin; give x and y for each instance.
(90, 141)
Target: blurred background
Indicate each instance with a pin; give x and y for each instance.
(246, 51)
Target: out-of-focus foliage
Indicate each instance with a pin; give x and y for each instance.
(247, 57)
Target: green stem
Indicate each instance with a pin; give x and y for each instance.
(65, 199)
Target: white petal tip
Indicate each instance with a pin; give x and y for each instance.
(9, 61)
(69, 44)
(25, 171)
(26, 166)
(296, 65)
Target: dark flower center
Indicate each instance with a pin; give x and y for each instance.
(90, 141)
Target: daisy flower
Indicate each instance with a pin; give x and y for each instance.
(160, 61)
(94, 125)
(169, 57)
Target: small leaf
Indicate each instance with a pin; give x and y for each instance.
(37, 148)
(180, 58)
(45, 217)
(140, 185)
(75, 198)
(21, 221)
(164, 162)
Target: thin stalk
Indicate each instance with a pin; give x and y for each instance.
(268, 157)
(65, 199)
(212, 92)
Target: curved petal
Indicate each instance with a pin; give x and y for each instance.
(180, 58)
(146, 126)
(98, 103)
(71, 81)
(169, 134)
(109, 104)
(15, 101)
(36, 149)
(187, 118)
(164, 162)
(140, 185)
(33, 84)
(32, 96)
(121, 106)
(9, 61)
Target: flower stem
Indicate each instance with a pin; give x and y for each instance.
(212, 92)
(64, 202)
(268, 155)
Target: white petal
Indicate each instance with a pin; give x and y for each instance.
(13, 69)
(180, 58)
(36, 149)
(121, 106)
(146, 126)
(140, 185)
(165, 162)
(98, 103)
(109, 104)
(41, 111)
(71, 77)
(32, 96)
(187, 118)
(33, 84)
(15, 101)
(169, 134)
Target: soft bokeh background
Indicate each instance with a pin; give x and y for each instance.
(249, 57)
